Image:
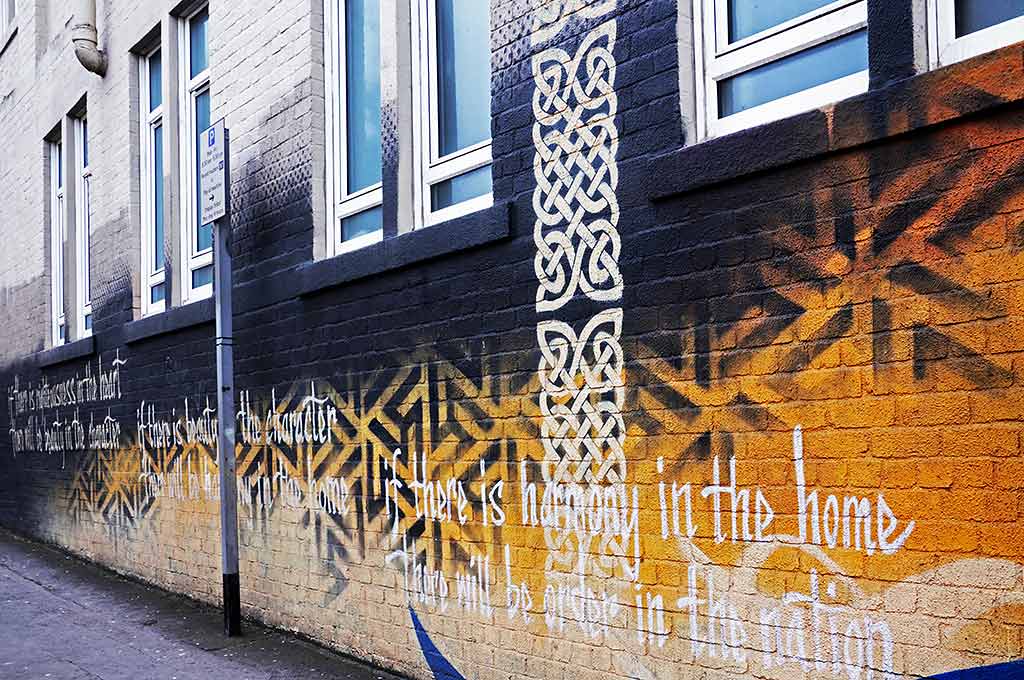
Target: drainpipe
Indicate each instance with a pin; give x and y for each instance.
(85, 38)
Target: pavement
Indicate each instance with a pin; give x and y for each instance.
(66, 619)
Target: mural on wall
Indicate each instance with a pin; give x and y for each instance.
(551, 16)
(576, 234)
(814, 475)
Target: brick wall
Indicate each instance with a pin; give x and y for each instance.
(727, 413)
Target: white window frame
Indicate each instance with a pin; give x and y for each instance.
(432, 168)
(83, 228)
(191, 89)
(717, 60)
(149, 121)
(58, 321)
(7, 13)
(340, 203)
(945, 48)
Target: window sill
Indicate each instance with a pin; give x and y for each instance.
(462, 233)
(932, 98)
(69, 352)
(174, 319)
(8, 37)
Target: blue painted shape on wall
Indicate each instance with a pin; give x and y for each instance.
(439, 665)
(1004, 671)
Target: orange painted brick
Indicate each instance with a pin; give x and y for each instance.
(1002, 539)
(981, 441)
(1006, 335)
(991, 406)
(937, 473)
(1009, 474)
(865, 473)
(974, 473)
(933, 409)
(904, 442)
(862, 412)
(899, 475)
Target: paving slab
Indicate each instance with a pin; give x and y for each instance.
(66, 619)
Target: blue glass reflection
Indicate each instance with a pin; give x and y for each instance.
(157, 293)
(464, 73)
(85, 143)
(362, 71)
(747, 17)
(158, 198)
(462, 188)
(155, 81)
(818, 65)
(198, 52)
(204, 232)
(361, 224)
(976, 15)
(202, 277)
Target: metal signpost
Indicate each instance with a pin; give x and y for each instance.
(215, 172)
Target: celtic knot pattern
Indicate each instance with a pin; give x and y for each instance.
(550, 16)
(581, 399)
(581, 369)
(576, 231)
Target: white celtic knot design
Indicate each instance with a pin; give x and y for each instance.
(581, 401)
(581, 372)
(576, 232)
(550, 16)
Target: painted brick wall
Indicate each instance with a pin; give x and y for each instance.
(759, 422)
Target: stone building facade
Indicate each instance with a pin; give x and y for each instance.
(574, 338)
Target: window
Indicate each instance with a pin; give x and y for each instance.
(453, 90)
(59, 327)
(964, 28)
(354, 137)
(83, 224)
(759, 61)
(154, 289)
(6, 16)
(197, 238)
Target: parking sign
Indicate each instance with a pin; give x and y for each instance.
(212, 173)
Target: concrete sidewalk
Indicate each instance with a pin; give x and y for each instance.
(65, 619)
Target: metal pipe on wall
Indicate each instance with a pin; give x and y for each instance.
(85, 38)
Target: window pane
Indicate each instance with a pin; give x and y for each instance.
(975, 15)
(60, 165)
(198, 53)
(88, 322)
(155, 81)
(85, 143)
(202, 277)
(747, 17)
(204, 232)
(87, 240)
(801, 71)
(463, 73)
(157, 293)
(158, 198)
(87, 250)
(361, 224)
(362, 72)
(462, 188)
(62, 238)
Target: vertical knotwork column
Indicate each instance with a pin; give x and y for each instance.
(577, 262)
